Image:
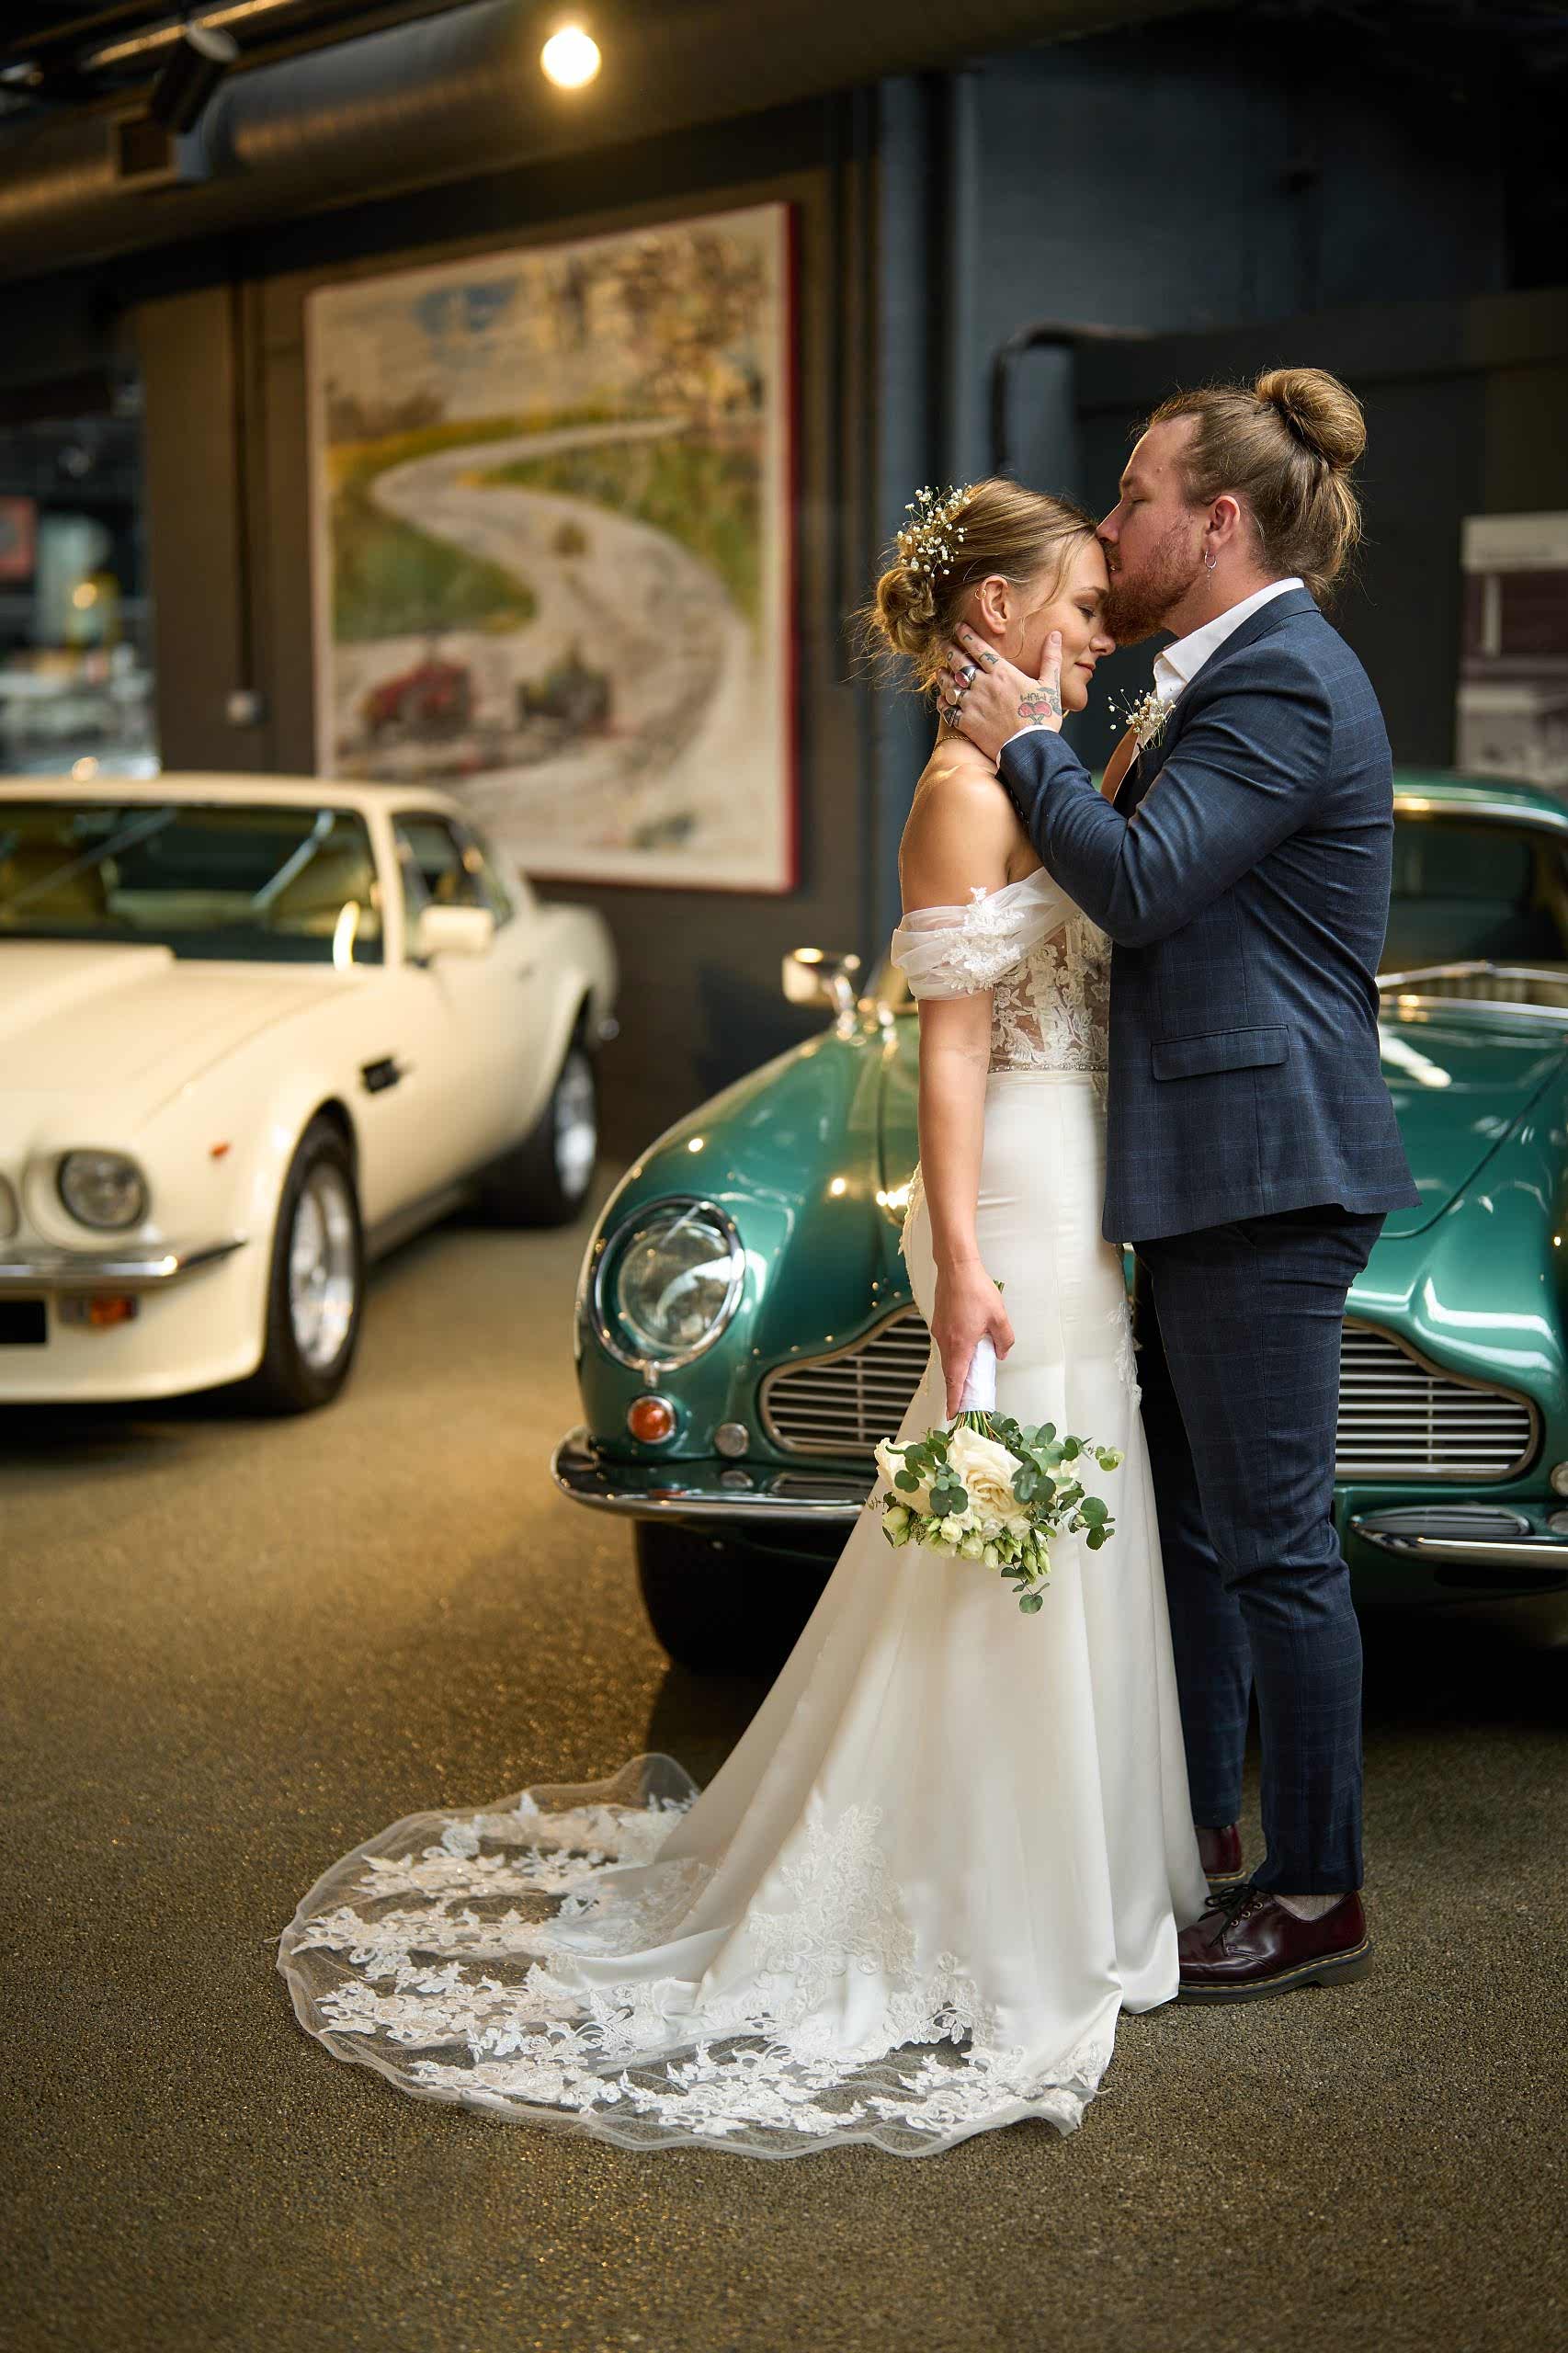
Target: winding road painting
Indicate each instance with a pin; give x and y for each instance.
(550, 523)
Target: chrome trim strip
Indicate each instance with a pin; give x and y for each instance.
(1481, 1553)
(1482, 1007)
(1503, 812)
(74, 1270)
(654, 1490)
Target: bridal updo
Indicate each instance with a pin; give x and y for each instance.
(952, 543)
(1285, 444)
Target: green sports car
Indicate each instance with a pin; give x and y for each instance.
(745, 1332)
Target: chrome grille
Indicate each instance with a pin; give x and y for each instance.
(842, 1403)
(1398, 1418)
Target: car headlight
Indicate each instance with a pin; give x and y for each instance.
(668, 1283)
(104, 1190)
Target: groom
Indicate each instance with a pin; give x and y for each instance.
(1242, 873)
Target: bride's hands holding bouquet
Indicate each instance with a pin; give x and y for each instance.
(967, 1309)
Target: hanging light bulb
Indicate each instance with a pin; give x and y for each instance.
(570, 58)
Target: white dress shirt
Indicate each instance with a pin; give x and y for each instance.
(1179, 664)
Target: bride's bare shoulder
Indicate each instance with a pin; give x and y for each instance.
(961, 831)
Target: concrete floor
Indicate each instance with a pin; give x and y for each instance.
(234, 1648)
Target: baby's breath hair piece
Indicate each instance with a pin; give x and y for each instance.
(930, 544)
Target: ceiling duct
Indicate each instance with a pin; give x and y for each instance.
(444, 98)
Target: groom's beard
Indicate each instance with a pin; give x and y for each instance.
(1138, 602)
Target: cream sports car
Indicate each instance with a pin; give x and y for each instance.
(253, 1031)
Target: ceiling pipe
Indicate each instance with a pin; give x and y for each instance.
(443, 97)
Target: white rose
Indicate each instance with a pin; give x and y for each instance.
(890, 1462)
(985, 1470)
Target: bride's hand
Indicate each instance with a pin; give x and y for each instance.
(968, 1305)
(989, 700)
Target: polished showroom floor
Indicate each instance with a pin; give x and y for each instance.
(233, 1649)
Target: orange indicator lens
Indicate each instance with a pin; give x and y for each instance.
(649, 1419)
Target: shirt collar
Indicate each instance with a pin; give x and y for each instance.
(1179, 664)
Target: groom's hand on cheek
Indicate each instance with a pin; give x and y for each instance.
(987, 699)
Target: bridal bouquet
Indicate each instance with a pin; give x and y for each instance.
(982, 1488)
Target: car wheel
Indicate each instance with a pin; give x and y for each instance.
(721, 1607)
(316, 1284)
(545, 1180)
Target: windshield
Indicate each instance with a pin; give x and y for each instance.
(265, 883)
(1472, 894)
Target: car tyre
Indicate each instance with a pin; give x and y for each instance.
(723, 1608)
(315, 1287)
(547, 1178)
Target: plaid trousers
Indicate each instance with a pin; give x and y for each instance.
(1239, 1327)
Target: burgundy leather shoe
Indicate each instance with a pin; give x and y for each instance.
(1220, 1852)
(1246, 1945)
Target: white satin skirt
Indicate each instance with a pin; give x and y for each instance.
(952, 1846)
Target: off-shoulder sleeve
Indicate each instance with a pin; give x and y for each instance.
(957, 951)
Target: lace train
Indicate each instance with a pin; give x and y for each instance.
(450, 1953)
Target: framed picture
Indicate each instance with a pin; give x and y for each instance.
(1512, 694)
(552, 495)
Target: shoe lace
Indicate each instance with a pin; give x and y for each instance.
(1231, 1905)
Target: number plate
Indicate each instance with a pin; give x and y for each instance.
(24, 1323)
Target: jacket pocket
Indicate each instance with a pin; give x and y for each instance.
(1219, 1049)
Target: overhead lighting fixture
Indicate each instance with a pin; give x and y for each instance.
(570, 58)
(192, 71)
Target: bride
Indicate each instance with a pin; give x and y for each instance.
(955, 1842)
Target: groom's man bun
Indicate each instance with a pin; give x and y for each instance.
(1319, 412)
(1284, 445)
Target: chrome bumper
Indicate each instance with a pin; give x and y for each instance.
(703, 1490)
(133, 1269)
(1485, 1539)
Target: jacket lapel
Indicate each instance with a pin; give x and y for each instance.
(1146, 767)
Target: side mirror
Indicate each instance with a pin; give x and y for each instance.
(817, 976)
(453, 931)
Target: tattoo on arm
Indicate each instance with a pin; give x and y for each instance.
(1038, 704)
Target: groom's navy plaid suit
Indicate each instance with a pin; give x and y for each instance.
(1252, 1155)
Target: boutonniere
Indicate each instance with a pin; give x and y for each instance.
(1147, 718)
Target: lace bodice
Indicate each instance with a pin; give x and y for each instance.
(1047, 966)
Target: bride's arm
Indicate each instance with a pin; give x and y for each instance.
(959, 837)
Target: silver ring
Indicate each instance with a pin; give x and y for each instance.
(952, 716)
(969, 674)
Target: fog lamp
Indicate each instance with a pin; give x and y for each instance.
(1559, 1481)
(731, 1437)
(100, 1311)
(649, 1419)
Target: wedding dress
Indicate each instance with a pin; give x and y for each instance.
(955, 1841)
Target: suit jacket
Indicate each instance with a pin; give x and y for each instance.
(1248, 906)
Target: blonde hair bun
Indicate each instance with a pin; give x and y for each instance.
(1320, 411)
(904, 610)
